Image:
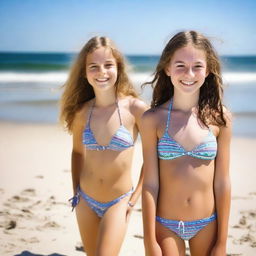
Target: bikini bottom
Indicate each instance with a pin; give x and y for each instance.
(186, 229)
(98, 207)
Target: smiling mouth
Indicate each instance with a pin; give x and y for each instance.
(187, 83)
(102, 80)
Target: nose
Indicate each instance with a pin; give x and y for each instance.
(102, 70)
(190, 72)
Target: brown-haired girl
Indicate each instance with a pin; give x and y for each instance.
(186, 139)
(100, 108)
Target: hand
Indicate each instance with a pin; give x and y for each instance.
(129, 210)
(218, 250)
(153, 249)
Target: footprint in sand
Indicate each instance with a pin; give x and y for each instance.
(49, 225)
(247, 221)
(11, 224)
(29, 192)
(79, 247)
(39, 177)
(247, 238)
(249, 218)
(18, 199)
(31, 240)
(138, 236)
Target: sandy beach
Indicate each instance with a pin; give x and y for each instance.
(35, 185)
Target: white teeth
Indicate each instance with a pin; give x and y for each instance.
(102, 80)
(187, 83)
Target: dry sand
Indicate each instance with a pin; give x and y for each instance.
(35, 184)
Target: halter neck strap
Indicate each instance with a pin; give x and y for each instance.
(169, 115)
(119, 114)
(91, 110)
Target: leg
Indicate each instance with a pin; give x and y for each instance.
(88, 223)
(112, 229)
(169, 241)
(202, 243)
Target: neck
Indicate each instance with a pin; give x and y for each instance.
(185, 102)
(104, 99)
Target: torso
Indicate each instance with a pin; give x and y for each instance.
(186, 178)
(106, 174)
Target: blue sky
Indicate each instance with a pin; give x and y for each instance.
(137, 26)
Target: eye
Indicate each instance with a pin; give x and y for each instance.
(93, 67)
(109, 65)
(180, 66)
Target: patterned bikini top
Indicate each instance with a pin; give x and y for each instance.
(120, 141)
(168, 148)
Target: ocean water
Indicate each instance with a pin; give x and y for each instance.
(30, 86)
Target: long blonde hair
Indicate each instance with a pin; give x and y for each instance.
(77, 89)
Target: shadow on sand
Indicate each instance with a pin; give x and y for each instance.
(27, 253)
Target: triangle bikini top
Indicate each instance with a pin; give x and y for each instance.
(168, 148)
(121, 140)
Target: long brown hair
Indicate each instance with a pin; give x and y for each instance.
(77, 89)
(210, 110)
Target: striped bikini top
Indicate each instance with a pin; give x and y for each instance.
(168, 148)
(120, 141)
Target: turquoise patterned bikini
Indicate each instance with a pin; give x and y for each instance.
(120, 141)
(169, 149)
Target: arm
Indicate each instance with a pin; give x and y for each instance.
(138, 108)
(222, 187)
(77, 157)
(150, 184)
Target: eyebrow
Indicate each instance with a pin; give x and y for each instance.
(180, 61)
(93, 63)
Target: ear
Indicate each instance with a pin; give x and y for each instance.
(167, 72)
(207, 73)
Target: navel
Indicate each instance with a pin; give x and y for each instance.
(188, 201)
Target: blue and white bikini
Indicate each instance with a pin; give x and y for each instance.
(120, 141)
(98, 207)
(169, 149)
(186, 229)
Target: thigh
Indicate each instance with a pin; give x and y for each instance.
(202, 243)
(88, 223)
(170, 242)
(112, 229)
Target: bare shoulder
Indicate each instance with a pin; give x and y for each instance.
(136, 106)
(150, 117)
(81, 116)
(226, 130)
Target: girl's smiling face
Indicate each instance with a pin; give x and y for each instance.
(187, 69)
(101, 69)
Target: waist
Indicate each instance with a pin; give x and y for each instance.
(105, 200)
(107, 160)
(105, 193)
(105, 185)
(185, 206)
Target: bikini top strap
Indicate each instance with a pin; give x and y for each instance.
(169, 116)
(119, 114)
(90, 113)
